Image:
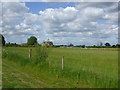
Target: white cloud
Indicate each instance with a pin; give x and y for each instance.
(13, 12)
(18, 22)
(63, 21)
(85, 20)
(60, 15)
(31, 18)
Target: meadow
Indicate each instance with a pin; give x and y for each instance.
(83, 68)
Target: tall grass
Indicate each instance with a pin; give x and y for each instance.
(41, 54)
(15, 57)
(93, 79)
(78, 76)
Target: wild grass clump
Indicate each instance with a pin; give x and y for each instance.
(15, 57)
(4, 53)
(41, 54)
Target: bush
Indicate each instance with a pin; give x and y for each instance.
(41, 54)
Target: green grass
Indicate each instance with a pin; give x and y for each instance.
(82, 69)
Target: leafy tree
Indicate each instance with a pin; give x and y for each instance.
(118, 45)
(2, 40)
(113, 46)
(71, 44)
(83, 46)
(32, 40)
(107, 44)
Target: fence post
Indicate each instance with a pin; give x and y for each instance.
(30, 50)
(62, 62)
(78, 77)
(49, 63)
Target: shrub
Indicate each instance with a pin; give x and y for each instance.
(41, 54)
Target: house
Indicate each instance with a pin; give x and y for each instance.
(24, 44)
(47, 43)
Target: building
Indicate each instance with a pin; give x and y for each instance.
(47, 43)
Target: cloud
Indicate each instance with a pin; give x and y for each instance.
(18, 22)
(13, 12)
(79, 0)
(84, 22)
(72, 21)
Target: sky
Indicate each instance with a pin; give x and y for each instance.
(65, 22)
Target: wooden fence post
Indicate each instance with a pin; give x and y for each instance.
(49, 63)
(78, 77)
(62, 62)
(30, 50)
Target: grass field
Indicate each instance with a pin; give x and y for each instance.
(83, 68)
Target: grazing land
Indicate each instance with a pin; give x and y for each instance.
(83, 68)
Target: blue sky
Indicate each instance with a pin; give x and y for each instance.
(35, 7)
(63, 22)
(101, 21)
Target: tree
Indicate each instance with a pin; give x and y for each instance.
(118, 45)
(113, 46)
(32, 40)
(107, 44)
(71, 44)
(2, 40)
(83, 46)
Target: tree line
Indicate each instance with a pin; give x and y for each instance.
(32, 41)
